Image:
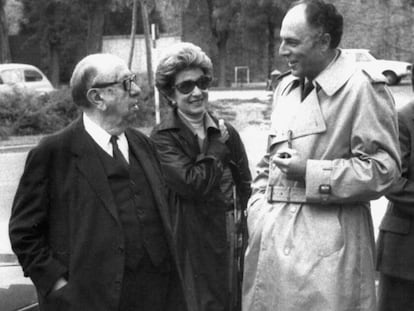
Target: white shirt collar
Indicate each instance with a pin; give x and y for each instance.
(102, 137)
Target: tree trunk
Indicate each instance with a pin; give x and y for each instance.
(270, 48)
(133, 32)
(96, 18)
(55, 67)
(222, 52)
(4, 35)
(147, 35)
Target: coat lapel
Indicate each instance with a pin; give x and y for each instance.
(91, 168)
(299, 118)
(140, 149)
(187, 138)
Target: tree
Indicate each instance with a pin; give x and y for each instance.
(4, 36)
(96, 10)
(57, 28)
(264, 17)
(221, 15)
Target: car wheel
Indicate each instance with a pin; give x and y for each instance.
(391, 77)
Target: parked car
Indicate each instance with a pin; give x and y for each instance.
(25, 76)
(393, 70)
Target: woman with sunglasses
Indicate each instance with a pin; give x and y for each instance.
(205, 163)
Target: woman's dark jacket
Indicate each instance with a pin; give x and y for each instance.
(200, 218)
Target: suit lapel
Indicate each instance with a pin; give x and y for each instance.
(152, 173)
(92, 169)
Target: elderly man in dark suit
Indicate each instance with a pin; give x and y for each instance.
(90, 221)
(395, 251)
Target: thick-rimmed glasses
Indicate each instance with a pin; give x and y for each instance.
(187, 86)
(126, 83)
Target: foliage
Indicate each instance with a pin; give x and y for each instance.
(4, 39)
(58, 27)
(264, 17)
(222, 15)
(26, 113)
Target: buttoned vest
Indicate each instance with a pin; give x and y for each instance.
(137, 210)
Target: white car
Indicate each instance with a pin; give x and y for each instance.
(23, 76)
(393, 70)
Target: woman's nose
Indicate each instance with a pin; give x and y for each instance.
(196, 91)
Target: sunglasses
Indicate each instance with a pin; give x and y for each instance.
(188, 86)
(126, 83)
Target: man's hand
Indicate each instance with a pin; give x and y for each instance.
(290, 162)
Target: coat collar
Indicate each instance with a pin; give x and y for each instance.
(337, 74)
(173, 122)
(331, 79)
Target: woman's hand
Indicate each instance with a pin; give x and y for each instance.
(224, 132)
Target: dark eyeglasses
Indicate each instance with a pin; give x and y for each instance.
(188, 86)
(126, 83)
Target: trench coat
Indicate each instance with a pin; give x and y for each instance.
(65, 222)
(200, 218)
(396, 234)
(311, 242)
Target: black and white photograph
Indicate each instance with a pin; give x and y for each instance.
(206, 155)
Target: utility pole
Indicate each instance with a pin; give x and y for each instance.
(147, 35)
(133, 32)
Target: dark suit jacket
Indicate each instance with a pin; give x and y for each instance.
(395, 251)
(65, 223)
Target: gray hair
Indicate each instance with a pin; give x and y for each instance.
(85, 73)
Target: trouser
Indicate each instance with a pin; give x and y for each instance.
(395, 294)
(146, 288)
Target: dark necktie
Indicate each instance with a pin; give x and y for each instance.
(117, 154)
(307, 88)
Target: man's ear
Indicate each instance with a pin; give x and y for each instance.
(95, 99)
(325, 41)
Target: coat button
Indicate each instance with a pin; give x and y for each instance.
(286, 251)
(293, 209)
(120, 249)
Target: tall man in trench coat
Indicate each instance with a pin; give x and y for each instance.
(90, 222)
(331, 151)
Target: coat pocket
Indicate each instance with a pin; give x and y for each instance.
(325, 229)
(395, 224)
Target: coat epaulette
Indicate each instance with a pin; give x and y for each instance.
(284, 74)
(375, 77)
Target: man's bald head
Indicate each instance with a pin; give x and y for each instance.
(94, 68)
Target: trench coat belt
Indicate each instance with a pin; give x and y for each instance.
(286, 194)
